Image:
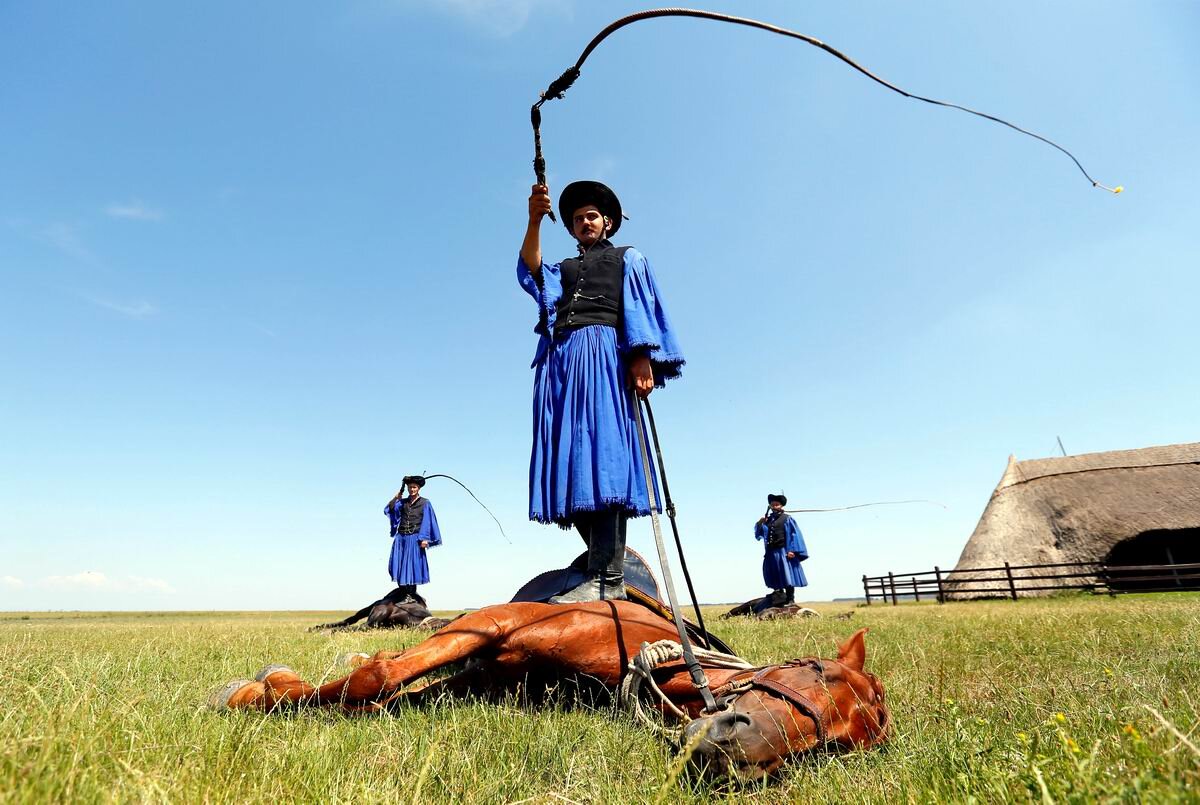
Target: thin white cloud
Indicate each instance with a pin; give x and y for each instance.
(139, 309)
(64, 238)
(134, 211)
(97, 581)
(603, 168)
(89, 579)
(11, 582)
(501, 18)
(150, 585)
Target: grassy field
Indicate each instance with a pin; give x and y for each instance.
(1074, 699)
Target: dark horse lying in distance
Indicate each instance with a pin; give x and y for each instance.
(400, 608)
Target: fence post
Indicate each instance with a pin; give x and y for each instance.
(1107, 581)
(1012, 587)
(866, 589)
(892, 584)
(1171, 562)
(916, 592)
(937, 572)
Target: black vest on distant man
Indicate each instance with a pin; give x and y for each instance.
(777, 531)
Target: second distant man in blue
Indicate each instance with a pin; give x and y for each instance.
(785, 550)
(414, 529)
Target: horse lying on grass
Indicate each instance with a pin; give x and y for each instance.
(767, 714)
(398, 609)
(767, 610)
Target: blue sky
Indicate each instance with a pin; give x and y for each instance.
(256, 264)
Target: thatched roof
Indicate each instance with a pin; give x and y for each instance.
(1077, 508)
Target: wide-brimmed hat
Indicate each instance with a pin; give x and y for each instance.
(582, 193)
(419, 480)
(780, 499)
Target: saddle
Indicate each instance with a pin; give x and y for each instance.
(640, 585)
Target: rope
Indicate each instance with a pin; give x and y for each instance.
(559, 86)
(641, 673)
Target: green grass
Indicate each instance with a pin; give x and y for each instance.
(1044, 700)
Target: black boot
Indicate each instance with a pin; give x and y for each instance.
(606, 560)
(791, 595)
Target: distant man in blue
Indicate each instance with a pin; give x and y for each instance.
(414, 529)
(603, 331)
(785, 550)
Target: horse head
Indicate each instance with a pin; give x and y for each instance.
(772, 713)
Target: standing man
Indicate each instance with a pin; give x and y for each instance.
(603, 331)
(414, 529)
(785, 550)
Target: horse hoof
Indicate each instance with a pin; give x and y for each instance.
(262, 675)
(220, 698)
(354, 659)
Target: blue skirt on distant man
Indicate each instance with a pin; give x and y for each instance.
(407, 563)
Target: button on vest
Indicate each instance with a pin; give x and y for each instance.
(592, 286)
(777, 532)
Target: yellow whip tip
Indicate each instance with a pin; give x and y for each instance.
(1116, 191)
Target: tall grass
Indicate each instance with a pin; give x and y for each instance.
(1073, 699)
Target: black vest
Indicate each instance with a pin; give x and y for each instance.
(592, 287)
(411, 515)
(777, 531)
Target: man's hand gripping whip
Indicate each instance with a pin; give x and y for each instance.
(559, 86)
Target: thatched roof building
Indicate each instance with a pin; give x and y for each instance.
(1126, 507)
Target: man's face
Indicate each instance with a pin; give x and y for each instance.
(588, 225)
(776, 506)
(413, 490)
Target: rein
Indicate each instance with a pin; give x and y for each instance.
(654, 655)
(663, 652)
(689, 656)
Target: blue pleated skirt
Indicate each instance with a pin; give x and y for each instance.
(585, 446)
(780, 572)
(408, 563)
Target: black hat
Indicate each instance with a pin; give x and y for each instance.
(581, 194)
(780, 499)
(419, 480)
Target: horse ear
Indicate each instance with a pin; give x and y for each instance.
(853, 652)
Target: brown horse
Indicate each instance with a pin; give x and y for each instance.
(767, 714)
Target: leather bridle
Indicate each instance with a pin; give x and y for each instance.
(757, 678)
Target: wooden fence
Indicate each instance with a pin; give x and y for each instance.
(1012, 580)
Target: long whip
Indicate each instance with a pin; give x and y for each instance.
(689, 657)
(559, 86)
(477, 500)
